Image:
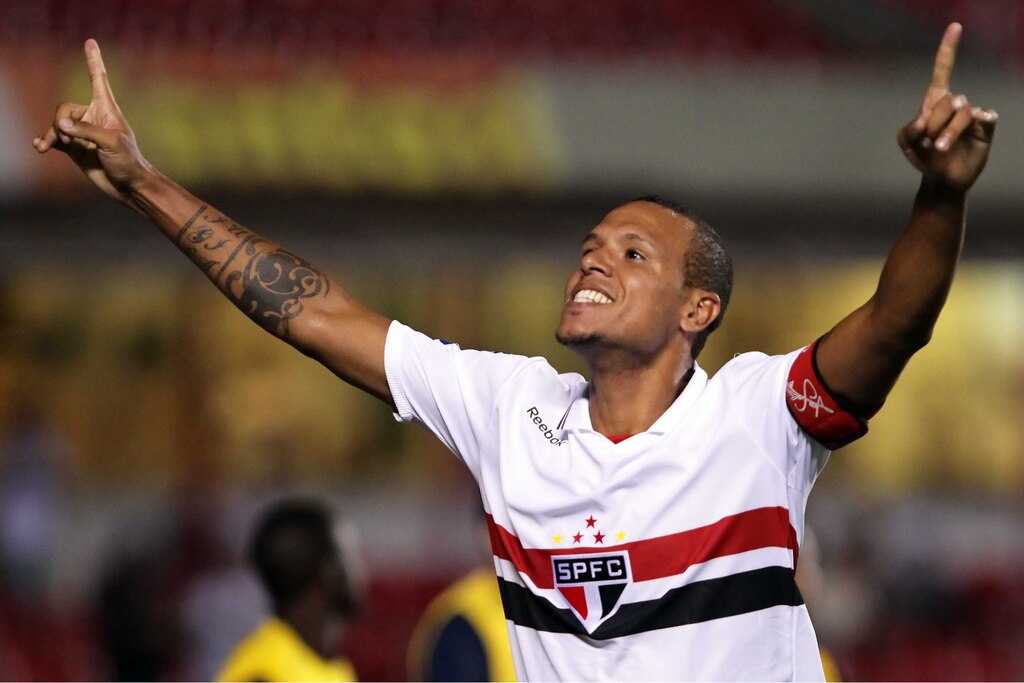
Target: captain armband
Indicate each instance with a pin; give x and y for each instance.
(816, 409)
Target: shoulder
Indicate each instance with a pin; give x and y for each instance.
(248, 659)
(403, 340)
(752, 388)
(274, 652)
(405, 344)
(752, 366)
(479, 587)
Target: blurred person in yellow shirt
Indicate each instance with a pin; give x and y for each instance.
(462, 635)
(304, 558)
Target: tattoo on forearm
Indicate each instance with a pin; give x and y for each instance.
(191, 242)
(188, 223)
(269, 287)
(205, 263)
(250, 240)
(200, 236)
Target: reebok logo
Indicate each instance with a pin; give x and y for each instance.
(545, 431)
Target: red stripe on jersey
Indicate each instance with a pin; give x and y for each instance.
(656, 558)
(814, 407)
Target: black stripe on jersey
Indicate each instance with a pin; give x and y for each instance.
(690, 604)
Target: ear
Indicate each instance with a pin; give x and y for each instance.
(702, 307)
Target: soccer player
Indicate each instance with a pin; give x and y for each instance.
(645, 522)
(303, 560)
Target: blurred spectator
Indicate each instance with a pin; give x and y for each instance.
(219, 608)
(307, 563)
(161, 554)
(32, 456)
(463, 636)
(137, 619)
(33, 616)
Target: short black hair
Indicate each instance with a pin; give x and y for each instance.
(707, 266)
(292, 542)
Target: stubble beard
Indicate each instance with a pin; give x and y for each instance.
(578, 340)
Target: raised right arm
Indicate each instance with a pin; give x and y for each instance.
(282, 293)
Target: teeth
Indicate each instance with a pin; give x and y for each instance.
(589, 296)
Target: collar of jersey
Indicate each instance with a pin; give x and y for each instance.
(577, 418)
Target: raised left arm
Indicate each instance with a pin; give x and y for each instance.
(948, 141)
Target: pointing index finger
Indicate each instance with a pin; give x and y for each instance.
(944, 59)
(97, 72)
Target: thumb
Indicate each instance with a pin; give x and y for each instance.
(103, 138)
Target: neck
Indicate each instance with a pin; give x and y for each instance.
(312, 623)
(628, 400)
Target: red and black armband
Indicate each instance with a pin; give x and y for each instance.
(823, 415)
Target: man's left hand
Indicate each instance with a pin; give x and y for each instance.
(950, 138)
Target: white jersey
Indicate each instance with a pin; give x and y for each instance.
(667, 556)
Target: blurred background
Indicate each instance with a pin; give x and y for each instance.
(443, 158)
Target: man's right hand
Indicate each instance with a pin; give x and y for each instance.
(279, 291)
(97, 137)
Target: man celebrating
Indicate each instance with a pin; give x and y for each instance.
(646, 522)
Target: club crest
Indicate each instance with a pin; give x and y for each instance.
(592, 584)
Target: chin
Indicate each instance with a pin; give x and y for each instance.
(576, 338)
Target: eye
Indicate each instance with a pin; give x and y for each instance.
(634, 255)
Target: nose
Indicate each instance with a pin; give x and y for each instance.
(595, 260)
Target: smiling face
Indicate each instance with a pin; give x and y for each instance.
(629, 292)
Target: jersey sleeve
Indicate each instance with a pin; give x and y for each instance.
(817, 410)
(756, 389)
(788, 411)
(453, 392)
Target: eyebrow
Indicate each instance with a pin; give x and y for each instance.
(639, 238)
(632, 236)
